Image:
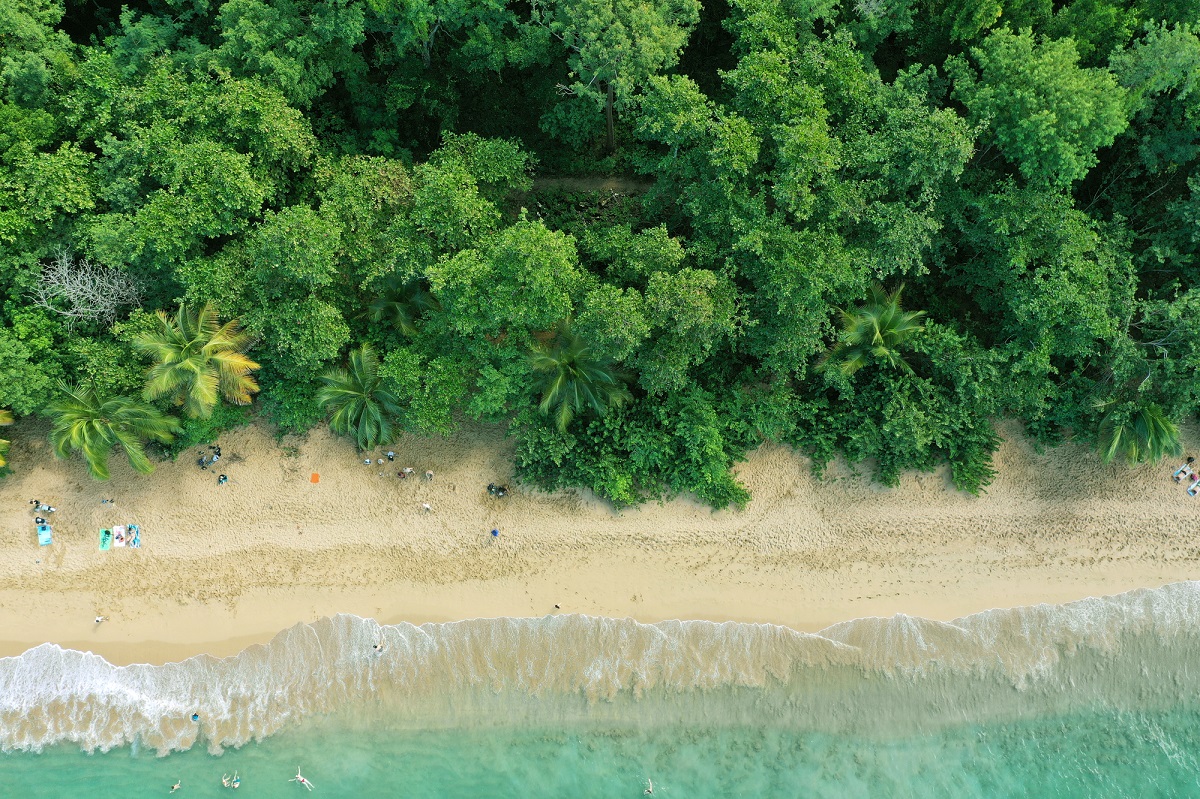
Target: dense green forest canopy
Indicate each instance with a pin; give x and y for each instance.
(867, 228)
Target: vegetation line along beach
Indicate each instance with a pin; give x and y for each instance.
(735, 310)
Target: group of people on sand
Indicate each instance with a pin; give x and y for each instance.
(210, 458)
(1187, 474)
(404, 473)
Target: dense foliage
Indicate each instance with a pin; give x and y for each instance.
(384, 184)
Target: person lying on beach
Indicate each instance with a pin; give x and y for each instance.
(1185, 470)
(300, 779)
(409, 470)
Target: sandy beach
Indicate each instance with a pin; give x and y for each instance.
(222, 567)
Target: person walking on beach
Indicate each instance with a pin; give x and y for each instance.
(175, 787)
(300, 779)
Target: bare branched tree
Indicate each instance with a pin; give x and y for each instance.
(82, 290)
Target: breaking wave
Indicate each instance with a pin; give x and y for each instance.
(1130, 651)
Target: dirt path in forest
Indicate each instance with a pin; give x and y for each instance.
(618, 184)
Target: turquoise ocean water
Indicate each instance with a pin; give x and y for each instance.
(1092, 699)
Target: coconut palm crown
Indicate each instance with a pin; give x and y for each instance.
(362, 405)
(1137, 433)
(573, 379)
(92, 424)
(402, 303)
(875, 331)
(197, 361)
(6, 419)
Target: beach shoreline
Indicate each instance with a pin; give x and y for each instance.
(224, 567)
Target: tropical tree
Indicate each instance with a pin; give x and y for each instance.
(198, 360)
(361, 402)
(5, 420)
(90, 423)
(402, 303)
(573, 379)
(875, 331)
(1137, 432)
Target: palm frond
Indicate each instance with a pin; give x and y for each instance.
(198, 360)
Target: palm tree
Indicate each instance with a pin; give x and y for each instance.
(362, 405)
(572, 379)
(403, 303)
(874, 331)
(1138, 432)
(198, 359)
(86, 422)
(6, 419)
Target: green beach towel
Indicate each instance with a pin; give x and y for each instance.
(105, 540)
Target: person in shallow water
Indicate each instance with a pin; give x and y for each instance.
(175, 787)
(300, 779)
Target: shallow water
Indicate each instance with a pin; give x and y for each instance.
(1088, 755)
(1092, 699)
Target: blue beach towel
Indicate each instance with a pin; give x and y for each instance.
(45, 535)
(134, 536)
(105, 540)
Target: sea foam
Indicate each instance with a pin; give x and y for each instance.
(1128, 651)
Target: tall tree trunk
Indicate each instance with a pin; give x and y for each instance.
(608, 114)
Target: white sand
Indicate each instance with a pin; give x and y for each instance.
(223, 567)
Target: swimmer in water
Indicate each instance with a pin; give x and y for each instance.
(237, 781)
(225, 780)
(175, 787)
(300, 779)
(649, 789)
